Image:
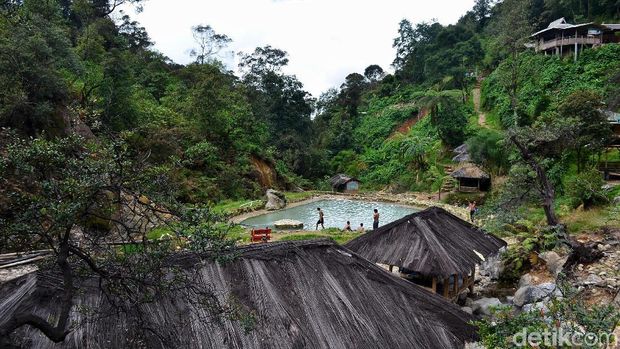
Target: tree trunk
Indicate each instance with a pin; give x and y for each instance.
(546, 188)
(54, 333)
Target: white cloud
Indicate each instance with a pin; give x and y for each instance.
(325, 39)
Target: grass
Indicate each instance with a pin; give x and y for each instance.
(236, 207)
(298, 196)
(335, 234)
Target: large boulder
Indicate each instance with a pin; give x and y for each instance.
(553, 261)
(492, 266)
(275, 200)
(288, 224)
(483, 306)
(532, 294)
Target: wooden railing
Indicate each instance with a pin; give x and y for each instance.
(545, 45)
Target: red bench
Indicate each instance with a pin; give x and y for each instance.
(261, 235)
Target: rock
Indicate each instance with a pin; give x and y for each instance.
(275, 200)
(532, 294)
(483, 305)
(492, 266)
(468, 310)
(616, 200)
(474, 345)
(469, 302)
(617, 300)
(553, 261)
(592, 279)
(580, 267)
(526, 280)
(539, 306)
(510, 299)
(288, 224)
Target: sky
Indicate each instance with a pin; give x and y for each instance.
(326, 39)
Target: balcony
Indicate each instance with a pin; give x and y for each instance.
(545, 45)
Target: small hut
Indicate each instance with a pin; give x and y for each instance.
(432, 248)
(471, 178)
(303, 294)
(344, 184)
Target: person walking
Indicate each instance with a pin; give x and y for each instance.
(472, 210)
(375, 219)
(321, 219)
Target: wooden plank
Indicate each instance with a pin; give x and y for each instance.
(434, 287)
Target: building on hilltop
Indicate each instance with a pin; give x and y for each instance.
(562, 38)
(433, 248)
(302, 294)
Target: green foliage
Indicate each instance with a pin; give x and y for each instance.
(569, 314)
(520, 257)
(586, 189)
(487, 148)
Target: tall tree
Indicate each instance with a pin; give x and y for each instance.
(209, 43)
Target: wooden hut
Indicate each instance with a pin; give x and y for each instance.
(344, 184)
(471, 178)
(303, 294)
(433, 248)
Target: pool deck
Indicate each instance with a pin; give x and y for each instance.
(406, 199)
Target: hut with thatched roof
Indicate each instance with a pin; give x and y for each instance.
(344, 184)
(471, 178)
(433, 248)
(303, 294)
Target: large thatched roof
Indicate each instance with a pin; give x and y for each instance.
(308, 294)
(431, 242)
(470, 171)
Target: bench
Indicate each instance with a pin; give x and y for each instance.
(260, 235)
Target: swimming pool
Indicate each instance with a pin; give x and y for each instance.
(337, 213)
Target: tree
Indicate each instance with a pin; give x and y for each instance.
(447, 115)
(209, 42)
(374, 73)
(74, 198)
(263, 60)
(351, 93)
(594, 132)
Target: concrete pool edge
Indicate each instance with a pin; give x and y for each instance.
(409, 200)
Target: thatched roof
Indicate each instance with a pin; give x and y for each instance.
(305, 294)
(470, 171)
(341, 179)
(432, 242)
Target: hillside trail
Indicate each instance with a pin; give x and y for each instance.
(482, 117)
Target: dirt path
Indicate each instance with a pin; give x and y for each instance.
(482, 117)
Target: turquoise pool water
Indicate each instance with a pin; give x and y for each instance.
(337, 213)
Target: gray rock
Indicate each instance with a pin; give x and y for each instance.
(532, 294)
(288, 224)
(536, 307)
(553, 261)
(616, 200)
(468, 310)
(483, 306)
(526, 280)
(275, 200)
(592, 279)
(492, 266)
(510, 299)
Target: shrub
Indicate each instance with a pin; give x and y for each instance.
(586, 189)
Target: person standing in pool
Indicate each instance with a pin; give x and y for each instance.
(321, 219)
(375, 219)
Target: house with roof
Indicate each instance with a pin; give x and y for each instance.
(433, 248)
(611, 169)
(301, 294)
(344, 184)
(562, 38)
(471, 178)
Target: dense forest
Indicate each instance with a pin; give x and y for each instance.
(94, 121)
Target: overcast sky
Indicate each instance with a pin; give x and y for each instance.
(326, 39)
